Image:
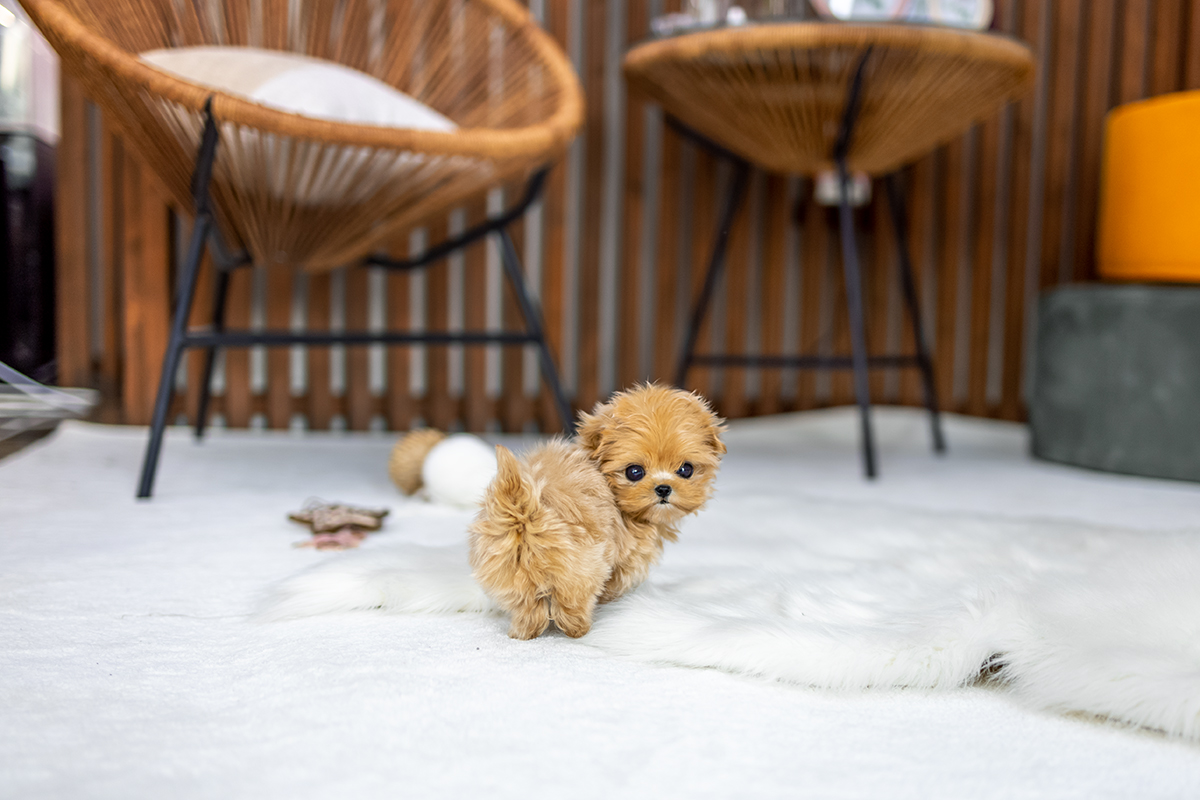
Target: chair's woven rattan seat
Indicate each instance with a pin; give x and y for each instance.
(485, 64)
(775, 93)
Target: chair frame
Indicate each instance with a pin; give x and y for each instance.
(858, 360)
(205, 235)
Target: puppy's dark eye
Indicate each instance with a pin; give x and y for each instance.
(686, 470)
(635, 473)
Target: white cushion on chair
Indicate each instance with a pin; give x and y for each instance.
(300, 84)
(306, 172)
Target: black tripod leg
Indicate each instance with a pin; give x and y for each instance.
(733, 201)
(175, 345)
(858, 334)
(218, 324)
(909, 288)
(533, 325)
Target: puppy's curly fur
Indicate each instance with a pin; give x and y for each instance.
(578, 523)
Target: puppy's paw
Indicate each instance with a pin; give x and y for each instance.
(526, 629)
(529, 622)
(572, 623)
(575, 627)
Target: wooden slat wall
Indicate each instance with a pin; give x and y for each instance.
(618, 246)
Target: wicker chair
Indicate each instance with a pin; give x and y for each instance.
(484, 64)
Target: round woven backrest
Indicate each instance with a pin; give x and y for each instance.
(317, 193)
(775, 93)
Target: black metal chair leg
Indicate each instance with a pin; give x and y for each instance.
(909, 288)
(201, 177)
(175, 346)
(858, 334)
(220, 295)
(733, 201)
(533, 324)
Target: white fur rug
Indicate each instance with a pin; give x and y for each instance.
(133, 666)
(1071, 617)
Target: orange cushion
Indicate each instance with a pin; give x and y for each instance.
(1149, 229)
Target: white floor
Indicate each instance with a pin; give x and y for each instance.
(129, 667)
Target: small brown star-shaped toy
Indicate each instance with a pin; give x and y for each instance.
(336, 526)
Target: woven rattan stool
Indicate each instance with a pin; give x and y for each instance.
(247, 170)
(804, 97)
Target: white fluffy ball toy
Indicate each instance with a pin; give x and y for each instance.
(452, 470)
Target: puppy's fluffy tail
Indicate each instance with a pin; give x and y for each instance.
(509, 522)
(411, 579)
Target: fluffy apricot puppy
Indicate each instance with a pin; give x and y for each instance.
(576, 523)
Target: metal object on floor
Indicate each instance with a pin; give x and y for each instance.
(859, 361)
(204, 233)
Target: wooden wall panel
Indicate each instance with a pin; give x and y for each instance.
(73, 333)
(994, 217)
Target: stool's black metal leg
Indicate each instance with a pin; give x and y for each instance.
(858, 334)
(533, 324)
(166, 381)
(183, 305)
(909, 288)
(733, 201)
(850, 266)
(220, 295)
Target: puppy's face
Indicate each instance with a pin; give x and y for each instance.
(659, 448)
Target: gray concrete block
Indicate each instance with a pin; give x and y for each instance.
(1116, 379)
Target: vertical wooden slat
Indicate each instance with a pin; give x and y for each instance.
(515, 410)
(950, 229)
(201, 315)
(593, 183)
(1097, 87)
(704, 225)
(399, 404)
(108, 259)
(1191, 56)
(666, 336)
(440, 408)
(629, 334)
(1134, 28)
(554, 240)
(1057, 198)
(836, 335)
(147, 289)
(475, 403)
(813, 259)
(981, 268)
(921, 211)
(737, 275)
(72, 286)
(1167, 46)
(774, 275)
(1014, 320)
(237, 399)
(279, 317)
(359, 405)
(878, 277)
(320, 392)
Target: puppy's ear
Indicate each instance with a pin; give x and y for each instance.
(715, 429)
(714, 426)
(593, 427)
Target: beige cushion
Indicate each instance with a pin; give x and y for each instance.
(304, 172)
(300, 84)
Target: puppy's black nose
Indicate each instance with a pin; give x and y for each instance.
(663, 491)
